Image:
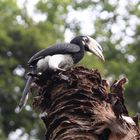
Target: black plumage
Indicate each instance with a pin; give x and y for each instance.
(77, 52)
(59, 57)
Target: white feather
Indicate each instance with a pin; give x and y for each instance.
(42, 64)
(55, 62)
(60, 61)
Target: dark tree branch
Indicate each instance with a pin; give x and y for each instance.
(80, 105)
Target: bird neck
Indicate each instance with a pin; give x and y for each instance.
(79, 55)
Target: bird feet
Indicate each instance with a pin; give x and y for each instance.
(64, 77)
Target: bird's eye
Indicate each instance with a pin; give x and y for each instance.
(86, 39)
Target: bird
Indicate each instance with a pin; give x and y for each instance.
(60, 56)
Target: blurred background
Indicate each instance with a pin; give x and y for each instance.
(26, 26)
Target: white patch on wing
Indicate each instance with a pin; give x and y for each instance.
(60, 62)
(42, 64)
(55, 62)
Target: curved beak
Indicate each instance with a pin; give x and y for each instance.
(95, 48)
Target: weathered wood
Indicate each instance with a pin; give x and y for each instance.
(80, 105)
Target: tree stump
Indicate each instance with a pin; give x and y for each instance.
(79, 105)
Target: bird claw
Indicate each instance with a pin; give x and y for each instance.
(63, 77)
(59, 69)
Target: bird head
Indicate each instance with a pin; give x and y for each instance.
(90, 45)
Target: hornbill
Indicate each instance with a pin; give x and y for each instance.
(60, 57)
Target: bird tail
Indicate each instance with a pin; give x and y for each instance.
(24, 97)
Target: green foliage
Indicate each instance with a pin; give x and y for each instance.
(21, 37)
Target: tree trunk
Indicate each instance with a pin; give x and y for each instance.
(79, 105)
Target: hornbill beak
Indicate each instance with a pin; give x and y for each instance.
(95, 48)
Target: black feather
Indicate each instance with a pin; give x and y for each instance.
(65, 48)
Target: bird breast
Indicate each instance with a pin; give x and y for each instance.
(55, 62)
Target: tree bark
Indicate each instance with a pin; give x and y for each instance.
(79, 105)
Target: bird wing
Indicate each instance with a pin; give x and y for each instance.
(65, 48)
